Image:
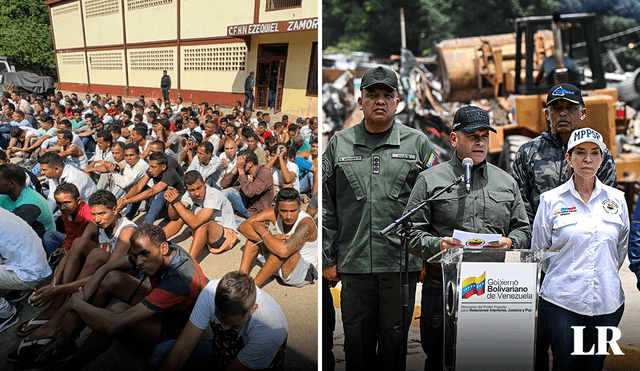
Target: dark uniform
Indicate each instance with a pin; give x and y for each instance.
(540, 166)
(165, 85)
(493, 206)
(366, 182)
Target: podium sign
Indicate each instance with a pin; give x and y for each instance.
(496, 316)
(490, 308)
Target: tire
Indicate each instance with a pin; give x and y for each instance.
(509, 149)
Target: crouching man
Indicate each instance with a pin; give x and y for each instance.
(290, 250)
(206, 211)
(249, 330)
(149, 312)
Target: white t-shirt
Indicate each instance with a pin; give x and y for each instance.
(263, 334)
(21, 249)
(277, 175)
(216, 200)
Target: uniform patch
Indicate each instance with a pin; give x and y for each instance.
(327, 169)
(406, 156)
(564, 211)
(432, 160)
(349, 158)
(610, 206)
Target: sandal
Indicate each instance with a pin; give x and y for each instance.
(37, 322)
(28, 348)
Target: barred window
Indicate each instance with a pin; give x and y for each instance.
(283, 4)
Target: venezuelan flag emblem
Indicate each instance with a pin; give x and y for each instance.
(432, 160)
(473, 286)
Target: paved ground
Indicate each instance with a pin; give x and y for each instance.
(629, 326)
(300, 306)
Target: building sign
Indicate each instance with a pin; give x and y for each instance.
(273, 27)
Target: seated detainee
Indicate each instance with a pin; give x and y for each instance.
(284, 169)
(150, 311)
(95, 169)
(104, 240)
(290, 251)
(71, 153)
(206, 211)
(76, 215)
(25, 202)
(124, 178)
(249, 330)
(57, 172)
(227, 160)
(248, 186)
(158, 147)
(206, 163)
(21, 138)
(162, 178)
(23, 263)
(113, 163)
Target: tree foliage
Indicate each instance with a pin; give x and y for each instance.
(25, 35)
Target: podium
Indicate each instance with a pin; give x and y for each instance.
(490, 308)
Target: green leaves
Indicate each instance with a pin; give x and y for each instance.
(25, 35)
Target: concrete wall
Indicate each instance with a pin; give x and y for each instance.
(217, 67)
(309, 9)
(67, 26)
(72, 67)
(146, 65)
(103, 22)
(197, 17)
(151, 20)
(107, 67)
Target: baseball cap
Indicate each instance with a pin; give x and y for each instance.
(567, 92)
(379, 75)
(585, 135)
(300, 120)
(471, 118)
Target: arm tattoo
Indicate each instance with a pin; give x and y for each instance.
(299, 237)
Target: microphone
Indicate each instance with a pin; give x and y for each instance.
(467, 163)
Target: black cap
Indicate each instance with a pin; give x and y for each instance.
(379, 75)
(471, 118)
(567, 92)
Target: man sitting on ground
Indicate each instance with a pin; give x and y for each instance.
(210, 219)
(248, 186)
(206, 163)
(103, 240)
(23, 262)
(291, 252)
(124, 178)
(76, 215)
(57, 172)
(256, 342)
(162, 177)
(148, 313)
(24, 202)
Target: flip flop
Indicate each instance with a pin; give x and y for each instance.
(34, 322)
(28, 348)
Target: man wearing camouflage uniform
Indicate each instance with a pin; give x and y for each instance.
(493, 205)
(368, 173)
(540, 166)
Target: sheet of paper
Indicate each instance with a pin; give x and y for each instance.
(474, 240)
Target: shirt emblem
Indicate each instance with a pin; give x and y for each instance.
(610, 206)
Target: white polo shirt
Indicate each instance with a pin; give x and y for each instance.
(591, 240)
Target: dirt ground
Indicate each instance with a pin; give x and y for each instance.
(300, 306)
